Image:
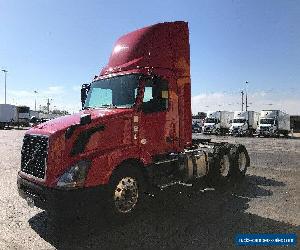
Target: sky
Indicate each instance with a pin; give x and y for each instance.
(53, 47)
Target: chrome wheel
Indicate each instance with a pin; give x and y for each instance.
(242, 161)
(224, 165)
(126, 194)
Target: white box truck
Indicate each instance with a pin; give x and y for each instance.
(22, 116)
(7, 115)
(244, 123)
(197, 124)
(273, 123)
(34, 113)
(217, 122)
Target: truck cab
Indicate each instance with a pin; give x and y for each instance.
(244, 123)
(217, 122)
(212, 123)
(22, 116)
(239, 126)
(267, 126)
(273, 123)
(134, 132)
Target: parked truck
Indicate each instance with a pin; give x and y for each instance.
(22, 116)
(217, 122)
(197, 124)
(244, 123)
(133, 136)
(273, 123)
(7, 115)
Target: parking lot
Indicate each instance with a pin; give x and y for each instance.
(268, 201)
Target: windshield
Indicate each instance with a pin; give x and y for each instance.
(266, 121)
(118, 91)
(238, 121)
(211, 120)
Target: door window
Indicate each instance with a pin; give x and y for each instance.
(155, 96)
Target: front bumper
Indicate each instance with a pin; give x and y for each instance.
(237, 132)
(209, 130)
(265, 132)
(75, 200)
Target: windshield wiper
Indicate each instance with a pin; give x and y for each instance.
(108, 106)
(88, 107)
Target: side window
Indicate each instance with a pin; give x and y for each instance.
(148, 94)
(155, 96)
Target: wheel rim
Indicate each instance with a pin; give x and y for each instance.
(224, 165)
(126, 195)
(242, 161)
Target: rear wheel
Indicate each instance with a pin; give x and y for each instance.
(224, 166)
(240, 160)
(220, 167)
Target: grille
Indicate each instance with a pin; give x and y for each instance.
(34, 155)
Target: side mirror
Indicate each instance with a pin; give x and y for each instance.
(84, 92)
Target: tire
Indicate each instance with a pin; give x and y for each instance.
(125, 192)
(240, 161)
(220, 166)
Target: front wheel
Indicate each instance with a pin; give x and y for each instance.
(126, 192)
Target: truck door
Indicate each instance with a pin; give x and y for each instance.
(157, 128)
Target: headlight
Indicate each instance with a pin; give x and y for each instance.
(75, 176)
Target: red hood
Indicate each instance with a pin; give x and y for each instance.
(62, 123)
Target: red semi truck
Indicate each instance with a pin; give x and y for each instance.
(133, 135)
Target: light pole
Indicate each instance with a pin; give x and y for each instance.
(242, 92)
(48, 105)
(5, 72)
(35, 92)
(246, 95)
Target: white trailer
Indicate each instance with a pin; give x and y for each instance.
(7, 115)
(273, 123)
(217, 122)
(244, 123)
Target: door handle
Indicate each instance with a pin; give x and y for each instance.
(170, 139)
